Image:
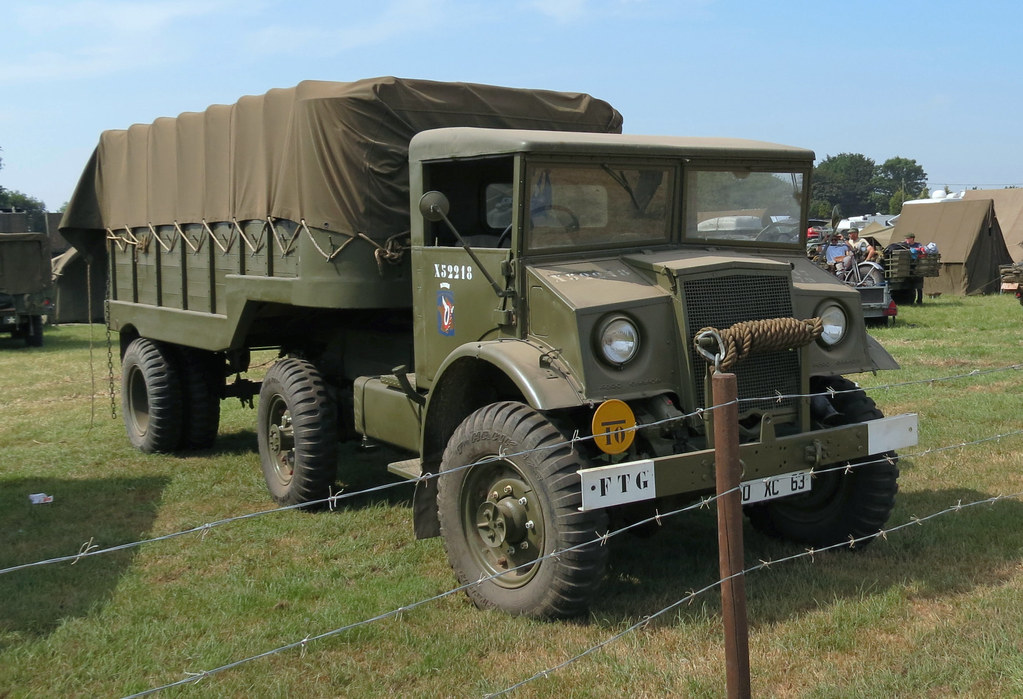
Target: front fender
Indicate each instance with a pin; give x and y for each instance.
(544, 382)
(472, 376)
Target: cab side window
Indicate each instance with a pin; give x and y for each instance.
(480, 192)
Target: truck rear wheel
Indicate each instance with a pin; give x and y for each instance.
(509, 495)
(34, 332)
(843, 504)
(150, 396)
(297, 433)
(202, 377)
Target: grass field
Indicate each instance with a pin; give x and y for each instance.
(932, 610)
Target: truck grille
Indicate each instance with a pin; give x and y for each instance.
(722, 301)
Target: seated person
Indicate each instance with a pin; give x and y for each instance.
(862, 249)
(836, 252)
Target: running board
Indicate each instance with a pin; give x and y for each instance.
(410, 468)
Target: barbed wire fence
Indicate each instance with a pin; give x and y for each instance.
(89, 549)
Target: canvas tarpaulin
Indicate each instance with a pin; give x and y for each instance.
(332, 154)
(969, 240)
(884, 235)
(1009, 210)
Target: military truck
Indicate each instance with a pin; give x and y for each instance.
(501, 284)
(1012, 279)
(25, 286)
(905, 269)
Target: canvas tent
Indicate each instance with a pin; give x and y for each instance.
(969, 239)
(884, 235)
(1009, 210)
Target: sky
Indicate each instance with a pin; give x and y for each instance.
(938, 82)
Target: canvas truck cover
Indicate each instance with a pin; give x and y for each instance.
(24, 263)
(333, 154)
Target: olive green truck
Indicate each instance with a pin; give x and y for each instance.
(501, 284)
(25, 285)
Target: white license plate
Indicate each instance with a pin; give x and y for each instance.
(775, 487)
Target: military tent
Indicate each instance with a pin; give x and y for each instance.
(1009, 210)
(969, 239)
(884, 235)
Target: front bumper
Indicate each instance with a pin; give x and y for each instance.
(693, 472)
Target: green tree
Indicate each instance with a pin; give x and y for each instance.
(896, 201)
(844, 179)
(12, 199)
(895, 175)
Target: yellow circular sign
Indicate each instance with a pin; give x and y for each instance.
(612, 426)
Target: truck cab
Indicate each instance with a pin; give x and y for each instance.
(560, 282)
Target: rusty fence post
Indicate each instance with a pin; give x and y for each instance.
(730, 546)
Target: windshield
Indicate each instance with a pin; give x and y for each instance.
(742, 205)
(598, 204)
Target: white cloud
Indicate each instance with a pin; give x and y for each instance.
(340, 30)
(89, 38)
(109, 18)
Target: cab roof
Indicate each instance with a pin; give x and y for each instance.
(471, 142)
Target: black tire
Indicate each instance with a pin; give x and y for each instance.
(202, 381)
(151, 396)
(903, 296)
(34, 334)
(843, 504)
(488, 529)
(297, 433)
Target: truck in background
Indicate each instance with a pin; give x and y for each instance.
(25, 285)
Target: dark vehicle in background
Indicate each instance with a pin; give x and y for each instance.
(1012, 279)
(25, 285)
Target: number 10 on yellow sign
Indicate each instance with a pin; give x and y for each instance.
(613, 426)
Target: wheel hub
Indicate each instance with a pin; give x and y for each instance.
(508, 523)
(280, 440)
(274, 439)
(502, 522)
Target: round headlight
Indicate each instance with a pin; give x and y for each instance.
(618, 340)
(835, 324)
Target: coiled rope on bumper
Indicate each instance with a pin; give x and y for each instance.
(769, 335)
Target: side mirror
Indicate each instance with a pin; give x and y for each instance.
(434, 206)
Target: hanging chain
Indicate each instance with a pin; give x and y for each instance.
(110, 351)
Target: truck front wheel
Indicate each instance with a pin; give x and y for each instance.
(150, 396)
(848, 500)
(508, 496)
(297, 433)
